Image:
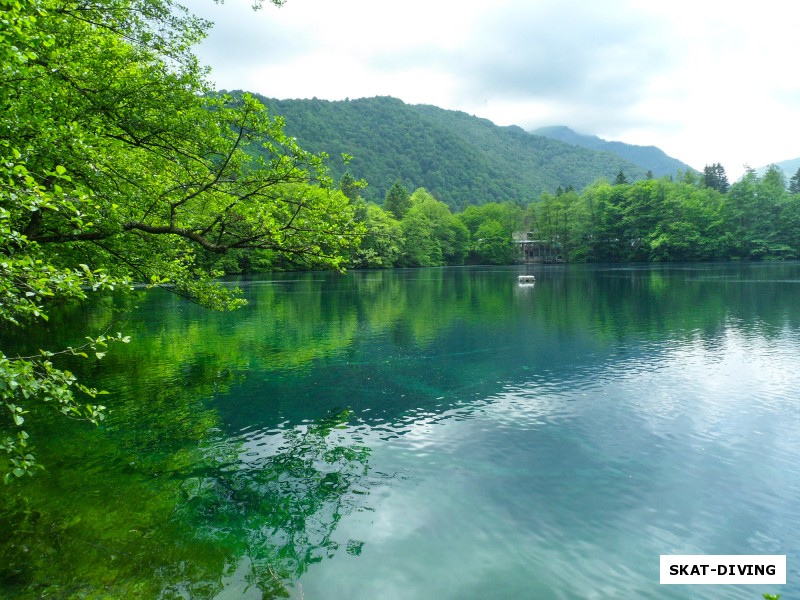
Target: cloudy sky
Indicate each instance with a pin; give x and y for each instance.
(704, 80)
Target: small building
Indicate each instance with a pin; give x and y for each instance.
(532, 250)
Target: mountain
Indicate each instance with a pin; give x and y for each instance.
(460, 159)
(647, 157)
(789, 167)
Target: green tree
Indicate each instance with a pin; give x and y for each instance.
(777, 206)
(491, 227)
(741, 212)
(604, 233)
(547, 217)
(510, 215)
(432, 236)
(382, 242)
(398, 200)
(118, 165)
(420, 248)
(714, 177)
(448, 232)
(459, 238)
(688, 227)
(351, 187)
(493, 245)
(760, 214)
(794, 183)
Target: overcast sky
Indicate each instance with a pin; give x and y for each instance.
(704, 80)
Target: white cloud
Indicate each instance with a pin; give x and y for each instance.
(706, 82)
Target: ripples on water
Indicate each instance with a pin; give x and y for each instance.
(447, 435)
(573, 487)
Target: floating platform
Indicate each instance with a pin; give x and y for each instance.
(526, 279)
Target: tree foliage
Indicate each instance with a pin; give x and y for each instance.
(397, 200)
(648, 220)
(491, 227)
(459, 158)
(118, 165)
(794, 183)
(715, 178)
(383, 240)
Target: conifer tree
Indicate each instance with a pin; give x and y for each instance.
(398, 200)
(794, 183)
(714, 177)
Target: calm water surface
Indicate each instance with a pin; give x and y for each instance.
(425, 434)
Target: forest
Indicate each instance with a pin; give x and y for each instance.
(691, 217)
(459, 158)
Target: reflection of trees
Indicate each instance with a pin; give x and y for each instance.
(158, 502)
(294, 322)
(280, 510)
(224, 518)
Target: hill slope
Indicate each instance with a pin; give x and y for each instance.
(646, 157)
(789, 167)
(459, 158)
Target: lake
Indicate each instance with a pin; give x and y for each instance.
(423, 434)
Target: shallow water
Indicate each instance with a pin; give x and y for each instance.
(436, 433)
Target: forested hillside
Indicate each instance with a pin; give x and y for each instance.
(647, 157)
(460, 159)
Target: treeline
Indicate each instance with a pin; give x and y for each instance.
(697, 217)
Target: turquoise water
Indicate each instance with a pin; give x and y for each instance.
(434, 433)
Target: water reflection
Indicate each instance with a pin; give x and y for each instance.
(544, 490)
(278, 500)
(442, 430)
(230, 516)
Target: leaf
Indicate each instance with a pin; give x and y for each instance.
(19, 419)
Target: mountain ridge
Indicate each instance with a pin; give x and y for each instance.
(789, 167)
(459, 158)
(648, 157)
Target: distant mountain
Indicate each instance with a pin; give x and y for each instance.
(647, 157)
(789, 167)
(460, 159)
